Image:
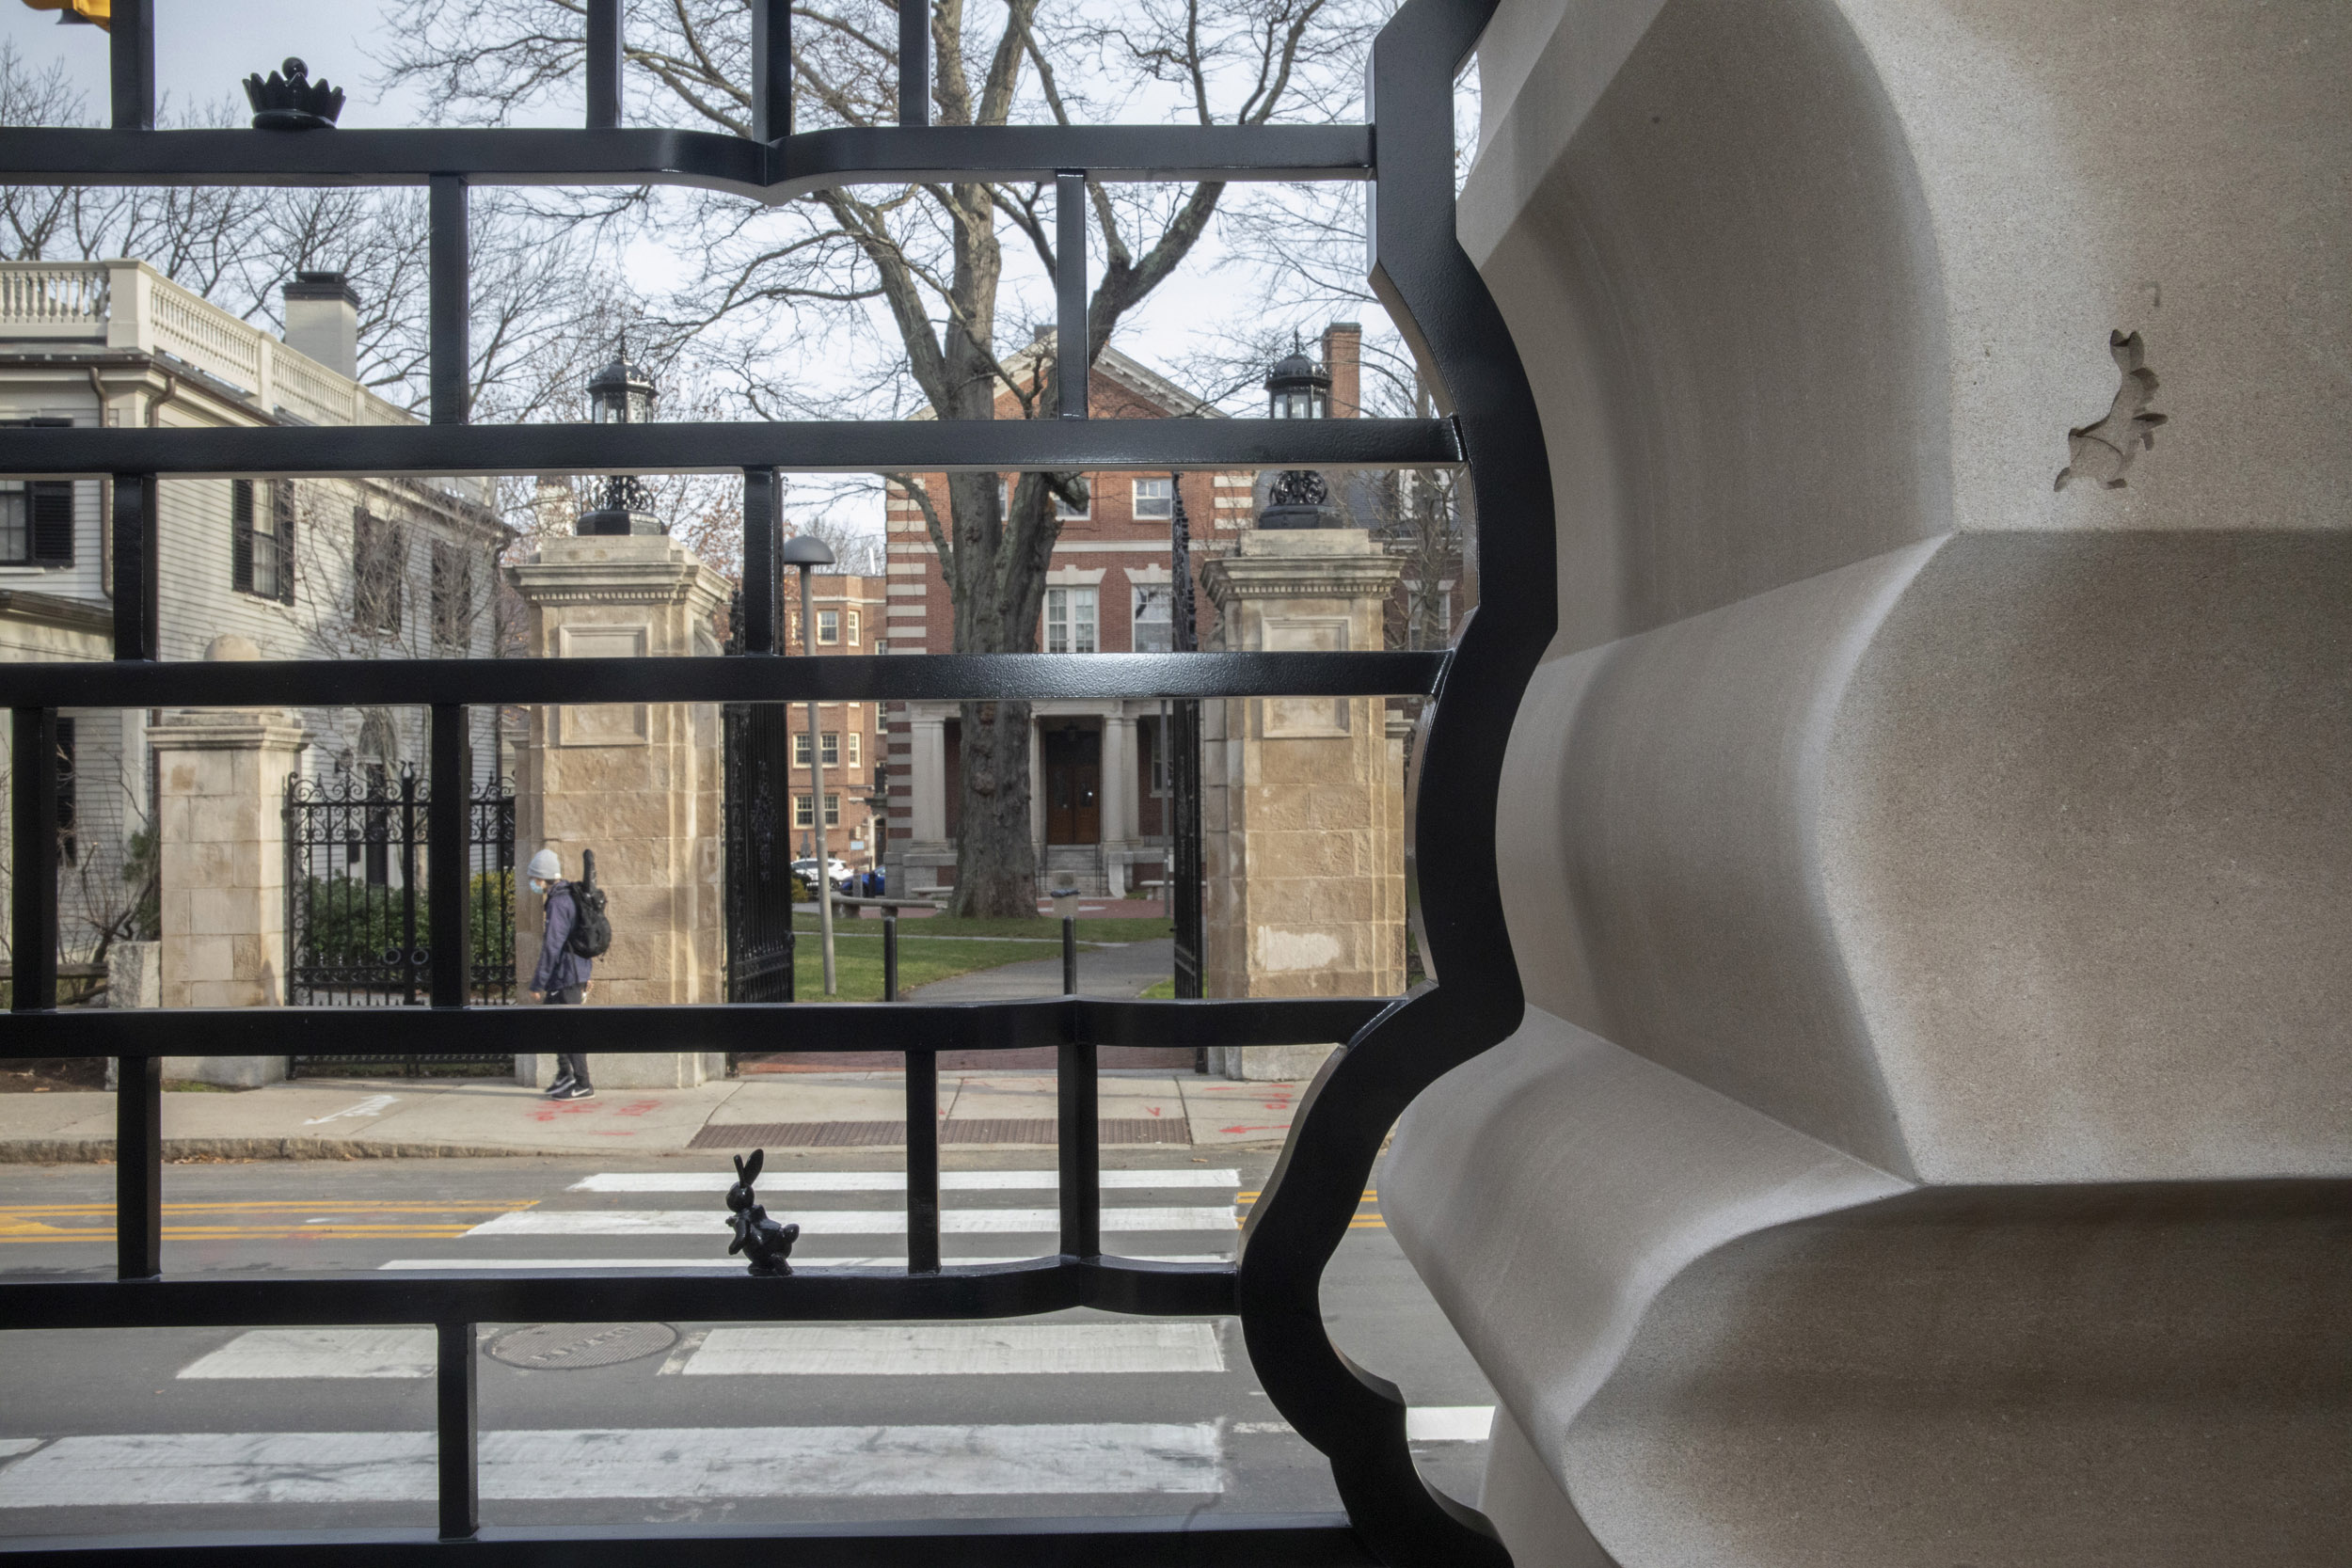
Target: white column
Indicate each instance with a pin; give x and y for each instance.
(929, 825)
(1119, 795)
(1036, 790)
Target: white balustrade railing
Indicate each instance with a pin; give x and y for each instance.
(48, 296)
(126, 304)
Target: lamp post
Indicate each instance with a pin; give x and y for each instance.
(804, 551)
(1298, 389)
(622, 393)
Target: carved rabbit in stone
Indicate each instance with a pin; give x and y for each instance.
(2101, 452)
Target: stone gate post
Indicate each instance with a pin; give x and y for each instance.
(638, 783)
(1302, 809)
(221, 795)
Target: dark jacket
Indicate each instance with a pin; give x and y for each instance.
(559, 966)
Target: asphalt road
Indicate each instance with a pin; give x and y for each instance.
(1077, 1412)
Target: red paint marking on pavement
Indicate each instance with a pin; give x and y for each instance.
(1278, 1127)
(563, 1108)
(638, 1107)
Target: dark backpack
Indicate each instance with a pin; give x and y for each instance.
(590, 933)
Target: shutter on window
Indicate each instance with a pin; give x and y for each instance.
(241, 535)
(52, 504)
(282, 511)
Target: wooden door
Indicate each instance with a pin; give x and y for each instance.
(1073, 787)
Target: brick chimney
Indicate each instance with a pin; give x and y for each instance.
(1343, 353)
(323, 320)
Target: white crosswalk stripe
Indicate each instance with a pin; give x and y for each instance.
(894, 1181)
(956, 1349)
(309, 1353)
(734, 1265)
(182, 1468)
(841, 1222)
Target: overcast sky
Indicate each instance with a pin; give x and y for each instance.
(205, 48)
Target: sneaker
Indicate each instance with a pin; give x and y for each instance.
(574, 1091)
(556, 1090)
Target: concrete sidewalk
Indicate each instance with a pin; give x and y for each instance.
(409, 1118)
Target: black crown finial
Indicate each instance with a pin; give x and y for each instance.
(292, 101)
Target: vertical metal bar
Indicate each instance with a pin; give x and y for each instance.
(914, 63)
(131, 47)
(1081, 1152)
(890, 955)
(450, 263)
(449, 851)
(1184, 768)
(604, 64)
(137, 620)
(1071, 352)
(454, 1418)
(33, 886)
(763, 541)
(408, 885)
(139, 1168)
(923, 1162)
(772, 69)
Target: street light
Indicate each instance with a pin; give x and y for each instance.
(805, 551)
(622, 393)
(1298, 389)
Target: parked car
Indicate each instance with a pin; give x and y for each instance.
(836, 870)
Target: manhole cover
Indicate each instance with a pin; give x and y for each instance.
(568, 1347)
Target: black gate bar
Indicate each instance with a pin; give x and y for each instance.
(798, 445)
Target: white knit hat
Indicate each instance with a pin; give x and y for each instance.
(546, 867)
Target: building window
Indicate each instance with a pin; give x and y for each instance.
(453, 597)
(828, 626)
(857, 751)
(803, 814)
(800, 747)
(856, 625)
(831, 748)
(379, 559)
(261, 539)
(1154, 499)
(37, 516)
(833, 810)
(1067, 514)
(1154, 619)
(1070, 621)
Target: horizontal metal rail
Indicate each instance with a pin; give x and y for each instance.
(810, 1293)
(773, 172)
(741, 1026)
(861, 677)
(1179, 1541)
(878, 445)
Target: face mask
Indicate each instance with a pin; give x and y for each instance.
(539, 886)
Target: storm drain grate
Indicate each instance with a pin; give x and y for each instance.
(574, 1347)
(891, 1134)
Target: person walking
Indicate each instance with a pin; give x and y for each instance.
(563, 976)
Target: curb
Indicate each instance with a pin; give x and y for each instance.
(66, 1151)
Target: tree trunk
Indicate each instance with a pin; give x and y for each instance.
(995, 860)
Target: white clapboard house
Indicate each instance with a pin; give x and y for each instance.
(302, 568)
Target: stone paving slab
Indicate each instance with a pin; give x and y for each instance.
(368, 1118)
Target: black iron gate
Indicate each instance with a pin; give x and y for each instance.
(1396, 1048)
(758, 868)
(359, 901)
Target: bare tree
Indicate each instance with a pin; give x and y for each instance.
(918, 271)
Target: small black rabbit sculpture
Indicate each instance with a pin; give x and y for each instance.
(761, 1239)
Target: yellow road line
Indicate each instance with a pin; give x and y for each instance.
(306, 1205)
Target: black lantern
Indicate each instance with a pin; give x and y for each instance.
(1298, 389)
(622, 393)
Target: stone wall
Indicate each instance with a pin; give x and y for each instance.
(1927, 879)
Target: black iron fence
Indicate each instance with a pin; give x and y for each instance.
(1395, 1048)
(359, 896)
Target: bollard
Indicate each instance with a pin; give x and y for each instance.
(890, 955)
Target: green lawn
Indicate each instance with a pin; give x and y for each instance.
(1163, 991)
(1040, 928)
